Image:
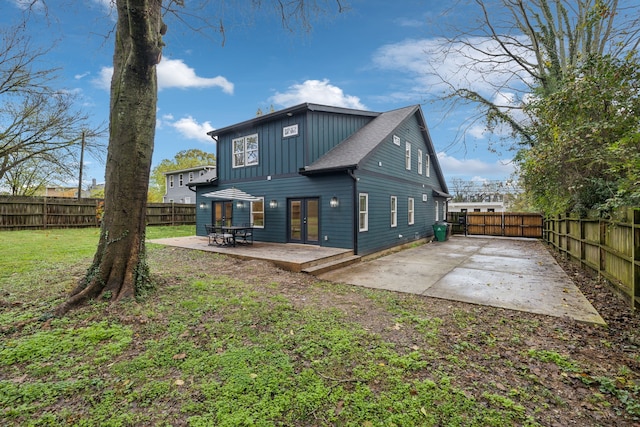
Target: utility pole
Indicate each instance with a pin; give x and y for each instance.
(81, 165)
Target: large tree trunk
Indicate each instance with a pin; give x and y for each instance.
(119, 266)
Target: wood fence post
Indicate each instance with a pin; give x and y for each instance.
(635, 253)
(44, 213)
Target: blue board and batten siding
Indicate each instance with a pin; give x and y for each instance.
(384, 174)
(336, 227)
(381, 173)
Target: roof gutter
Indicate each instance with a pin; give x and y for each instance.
(356, 211)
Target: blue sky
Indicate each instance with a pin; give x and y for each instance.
(373, 56)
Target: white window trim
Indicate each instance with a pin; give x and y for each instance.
(419, 162)
(363, 225)
(171, 181)
(180, 180)
(407, 156)
(394, 211)
(190, 176)
(252, 212)
(437, 211)
(396, 140)
(411, 213)
(245, 152)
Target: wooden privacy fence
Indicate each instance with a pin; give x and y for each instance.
(23, 213)
(609, 246)
(508, 224)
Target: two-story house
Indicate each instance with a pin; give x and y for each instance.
(327, 176)
(178, 183)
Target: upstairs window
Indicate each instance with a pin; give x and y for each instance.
(190, 176)
(170, 181)
(245, 151)
(420, 162)
(407, 156)
(180, 180)
(428, 166)
(396, 140)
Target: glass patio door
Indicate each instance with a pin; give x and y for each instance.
(222, 213)
(304, 224)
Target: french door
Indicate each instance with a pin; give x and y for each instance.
(304, 224)
(222, 213)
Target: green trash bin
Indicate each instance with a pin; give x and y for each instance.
(440, 231)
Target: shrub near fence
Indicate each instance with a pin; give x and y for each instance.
(610, 247)
(24, 213)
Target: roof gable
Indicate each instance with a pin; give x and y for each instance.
(355, 149)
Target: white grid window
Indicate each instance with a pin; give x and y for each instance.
(407, 156)
(437, 211)
(245, 151)
(180, 180)
(394, 211)
(257, 213)
(190, 176)
(428, 165)
(420, 162)
(410, 210)
(363, 210)
(396, 140)
(171, 181)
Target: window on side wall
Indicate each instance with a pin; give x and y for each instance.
(245, 151)
(437, 211)
(420, 162)
(427, 166)
(180, 180)
(394, 211)
(170, 181)
(363, 208)
(411, 211)
(257, 213)
(407, 156)
(190, 176)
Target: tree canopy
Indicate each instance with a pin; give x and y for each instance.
(41, 125)
(586, 154)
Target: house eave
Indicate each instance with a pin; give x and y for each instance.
(325, 171)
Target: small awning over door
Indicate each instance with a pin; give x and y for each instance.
(231, 194)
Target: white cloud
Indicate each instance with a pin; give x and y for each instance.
(474, 169)
(172, 73)
(317, 91)
(188, 127)
(103, 81)
(81, 76)
(426, 65)
(175, 73)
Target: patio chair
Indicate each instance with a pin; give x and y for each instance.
(245, 236)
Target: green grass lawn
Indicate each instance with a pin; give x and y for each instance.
(224, 342)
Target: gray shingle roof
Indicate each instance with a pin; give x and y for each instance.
(353, 150)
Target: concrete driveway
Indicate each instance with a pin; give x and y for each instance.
(518, 274)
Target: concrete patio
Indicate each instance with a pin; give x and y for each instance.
(517, 274)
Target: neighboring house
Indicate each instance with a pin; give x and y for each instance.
(327, 176)
(476, 207)
(178, 183)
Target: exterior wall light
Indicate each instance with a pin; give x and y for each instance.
(203, 205)
(273, 204)
(334, 202)
(239, 204)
